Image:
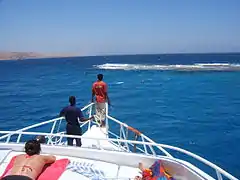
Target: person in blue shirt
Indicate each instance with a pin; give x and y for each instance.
(73, 115)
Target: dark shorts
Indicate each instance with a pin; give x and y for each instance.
(73, 130)
(16, 177)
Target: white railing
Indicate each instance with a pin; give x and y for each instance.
(220, 172)
(54, 121)
(121, 140)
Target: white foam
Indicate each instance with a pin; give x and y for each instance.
(119, 82)
(179, 67)
(213, 64)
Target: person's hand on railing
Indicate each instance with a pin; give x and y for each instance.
(89, 119)
(92, 118)
(83, 119)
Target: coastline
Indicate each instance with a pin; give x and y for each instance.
(18, 56)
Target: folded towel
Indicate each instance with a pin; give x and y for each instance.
(87, 169)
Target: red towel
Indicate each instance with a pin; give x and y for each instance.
(52, 171)
(9, 166)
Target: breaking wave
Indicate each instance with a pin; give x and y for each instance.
(177, 67)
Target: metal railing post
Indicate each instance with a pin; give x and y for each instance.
(106, 117)
(8, 139)
(59, 125)
(53, 127)
(219, 176)
(124, 136)
(144, 145)
(90, 114)
(19, 137)
(120, 133)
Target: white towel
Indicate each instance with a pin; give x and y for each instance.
(86, 169)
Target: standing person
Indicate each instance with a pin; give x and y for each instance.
(30, 165)
(73, 115)
(99, 89)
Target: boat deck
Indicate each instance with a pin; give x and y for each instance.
(80, 168)
(99, 132)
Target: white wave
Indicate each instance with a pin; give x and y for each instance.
(119, 82)
(213, 64)
(179, 67)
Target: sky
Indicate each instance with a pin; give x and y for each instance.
(101, 27)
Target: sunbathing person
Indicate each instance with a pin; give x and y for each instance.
(30, 165)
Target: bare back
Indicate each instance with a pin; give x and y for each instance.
(30, 166)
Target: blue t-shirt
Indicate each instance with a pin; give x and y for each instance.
(72, 113)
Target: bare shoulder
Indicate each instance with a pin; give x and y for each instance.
(20, 157)
(48, 158)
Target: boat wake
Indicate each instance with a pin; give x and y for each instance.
(177, 67)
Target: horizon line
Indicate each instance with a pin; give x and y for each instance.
(56, 55)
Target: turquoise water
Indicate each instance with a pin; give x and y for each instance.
(196, 109)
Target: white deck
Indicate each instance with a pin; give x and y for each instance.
(99, 132)
(86, 168)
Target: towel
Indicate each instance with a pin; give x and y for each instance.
(51, 171)
(54, 170)
(87, 169)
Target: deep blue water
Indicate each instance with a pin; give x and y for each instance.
(196, 110)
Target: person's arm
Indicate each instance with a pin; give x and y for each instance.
(82, 118)
(49, 159)
(62, 113)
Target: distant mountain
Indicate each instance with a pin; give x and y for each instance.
(29, 55)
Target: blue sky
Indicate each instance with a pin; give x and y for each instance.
(95, 27)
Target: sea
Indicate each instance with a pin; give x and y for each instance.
(191, 101)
